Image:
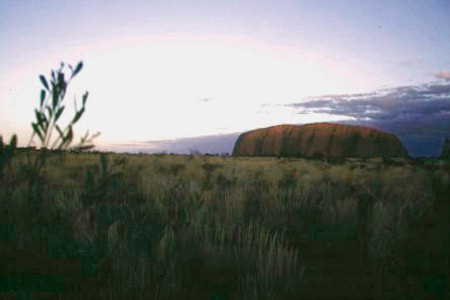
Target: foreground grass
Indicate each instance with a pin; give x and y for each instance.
(204, 227)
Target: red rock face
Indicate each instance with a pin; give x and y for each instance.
(319, 139)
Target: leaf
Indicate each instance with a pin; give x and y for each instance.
(1, 143)
(44, 124)
(85, 96)
(37, 131)
(61, 85)
(49, 111)
(87, 138)
(77, 69)
(61, 134)
(78, 115)
(55, 95)
(68, 138)
(40, 117)
(43, 94)
(61, 79)
(44, 81)
(59, 112)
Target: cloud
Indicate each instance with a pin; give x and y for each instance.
(443, 75)
(419, 115)
(406, 103)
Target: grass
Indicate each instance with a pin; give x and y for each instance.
(210, 227)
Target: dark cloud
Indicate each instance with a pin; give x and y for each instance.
(402, 103)
(419, 115)
(443, 75)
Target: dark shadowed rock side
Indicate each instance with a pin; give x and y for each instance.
(319, 140)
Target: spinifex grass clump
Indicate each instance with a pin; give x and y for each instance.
(100, 179)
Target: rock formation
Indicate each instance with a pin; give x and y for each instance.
(318, 140)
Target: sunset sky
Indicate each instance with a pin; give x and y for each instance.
(161, 70)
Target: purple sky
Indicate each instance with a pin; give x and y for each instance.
(159, 70)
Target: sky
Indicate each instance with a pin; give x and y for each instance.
(161, 73)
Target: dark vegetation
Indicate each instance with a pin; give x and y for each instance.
(77, 225)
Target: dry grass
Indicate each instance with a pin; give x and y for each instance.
(205, 227)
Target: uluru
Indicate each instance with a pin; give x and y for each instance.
(319, 140)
